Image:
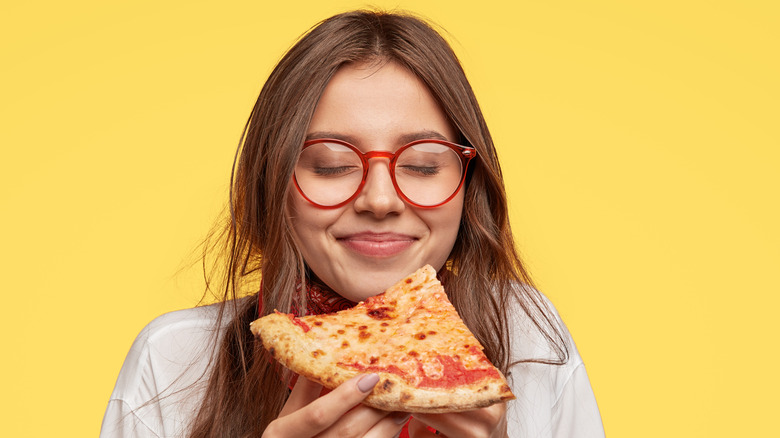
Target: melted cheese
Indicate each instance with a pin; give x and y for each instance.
(411, 330)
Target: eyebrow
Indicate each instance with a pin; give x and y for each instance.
(403, 139)
(328, 134)
(420, 135)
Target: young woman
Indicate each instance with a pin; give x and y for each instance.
(330, 204)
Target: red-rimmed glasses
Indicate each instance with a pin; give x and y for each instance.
(426, 173)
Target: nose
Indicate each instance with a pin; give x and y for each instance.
(379, 196)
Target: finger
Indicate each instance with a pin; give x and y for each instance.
(304, 392)
(391, 425)
(487, 422)
(367, 422)
(324, 411)
(417, 429)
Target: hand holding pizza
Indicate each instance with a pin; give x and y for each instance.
(484, 422)
(338, 413)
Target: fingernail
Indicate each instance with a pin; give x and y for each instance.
(367, 382)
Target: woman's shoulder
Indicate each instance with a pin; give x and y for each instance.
(175, 339)
(554, 393)
(170, 344)
(195, 321)
(163, 372)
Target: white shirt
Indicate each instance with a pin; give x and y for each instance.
(161, 383)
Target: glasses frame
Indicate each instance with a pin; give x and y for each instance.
(466, 153)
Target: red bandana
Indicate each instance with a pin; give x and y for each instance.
(319, 300)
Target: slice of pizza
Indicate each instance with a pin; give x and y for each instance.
(427, 359)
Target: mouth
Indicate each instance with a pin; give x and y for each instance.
(377, 244)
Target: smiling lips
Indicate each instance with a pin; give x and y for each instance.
(377, 244)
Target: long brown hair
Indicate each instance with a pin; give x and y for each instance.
(484, 274)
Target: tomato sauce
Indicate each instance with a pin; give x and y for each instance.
(453, 373)
(298, 322)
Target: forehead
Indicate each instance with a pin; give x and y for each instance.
(382, 104)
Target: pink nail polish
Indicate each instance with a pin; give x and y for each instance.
(367, 382)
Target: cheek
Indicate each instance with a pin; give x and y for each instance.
(304, 222)
(453, 213)
(444, 223)
(310, 227)
(452, 223)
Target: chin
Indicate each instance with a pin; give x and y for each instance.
(360, 290)
(364, 291)
(375, 283)
(367, 280)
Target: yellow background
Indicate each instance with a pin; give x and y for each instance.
(639, 140)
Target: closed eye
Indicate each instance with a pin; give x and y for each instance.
(421, 170)
(334, 171)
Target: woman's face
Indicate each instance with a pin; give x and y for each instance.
(367, 245)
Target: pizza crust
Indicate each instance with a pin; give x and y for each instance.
(392, 394)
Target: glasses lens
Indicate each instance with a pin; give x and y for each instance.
(428, 173)
(328, 173)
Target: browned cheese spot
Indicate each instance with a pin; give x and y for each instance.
(405, 397)
(414, 353)
(318, 323)
(362, 327)
(416, 288)
(431, 332)
(382, 330)
(384, 324)
(316, 353)
(373, 360)
(505, 388)
(345, 344)
(419, 336)
(380, 313)
(408, 280)
(340, 331)
(364, 335)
